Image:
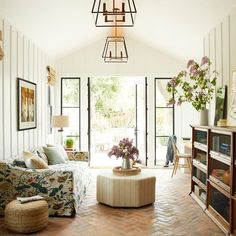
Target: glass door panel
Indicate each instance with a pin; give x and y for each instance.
(70, 106)
(164, 120)
(140, 130)
(200, 193)
(200, 156)
(220, 172)
(200, 175)
(221, 143)
(114, 115)
(201, 137)
(219, 202)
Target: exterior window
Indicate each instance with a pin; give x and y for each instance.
(70, 105)
(164, 119)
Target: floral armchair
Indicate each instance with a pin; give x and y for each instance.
(63, 185)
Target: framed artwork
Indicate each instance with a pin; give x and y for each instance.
(27, 117)
(233, 96)
(221, 104)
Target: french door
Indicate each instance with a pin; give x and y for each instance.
(164, 120)
(117, 109)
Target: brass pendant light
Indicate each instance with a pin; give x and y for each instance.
(114, 13)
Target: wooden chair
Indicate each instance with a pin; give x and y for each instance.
(178, 156)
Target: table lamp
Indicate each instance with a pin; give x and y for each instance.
(60, 122)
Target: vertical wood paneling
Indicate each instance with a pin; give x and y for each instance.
(22, 59)
(212, 56)
(232, 58)
(226, 49)
(30, 78)
(26, 77)
(232, 41)
(14, 143)
(43, 102)
(39, 98)
(224, 59)
(218, 60)
(1, 101)
(7, 90)
(20, 67)
(35, 79)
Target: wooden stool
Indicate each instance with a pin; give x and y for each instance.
(177, 156)
(26, 217)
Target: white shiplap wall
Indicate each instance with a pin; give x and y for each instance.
(220, 46)
(22, 59)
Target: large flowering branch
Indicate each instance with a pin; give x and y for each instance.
(124, 149)
(195, 85)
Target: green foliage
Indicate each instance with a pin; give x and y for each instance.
(196, 85)
(69, 142)
(105, 94)
(71, 92)
(107, 99)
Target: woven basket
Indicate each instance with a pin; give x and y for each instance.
(27, 217)
(126, 172)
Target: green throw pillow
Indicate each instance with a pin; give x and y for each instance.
(54, 155)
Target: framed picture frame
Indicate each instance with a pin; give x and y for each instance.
(221, 104)
(27, 110)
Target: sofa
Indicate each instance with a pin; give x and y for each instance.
(63, 185)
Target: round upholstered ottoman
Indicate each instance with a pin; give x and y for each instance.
(27, 217)
(126, 191)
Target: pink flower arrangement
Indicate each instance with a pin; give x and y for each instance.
(195, 85)
(124, 149)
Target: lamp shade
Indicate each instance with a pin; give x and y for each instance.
(60, 121)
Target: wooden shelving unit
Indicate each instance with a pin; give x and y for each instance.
(213, 182)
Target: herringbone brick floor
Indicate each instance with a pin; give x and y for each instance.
(174, 213)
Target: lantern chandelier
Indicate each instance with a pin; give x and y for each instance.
(115, 49)
(114, 13)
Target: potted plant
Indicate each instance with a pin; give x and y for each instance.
(69, 143)
(195, 85)
(126, 151)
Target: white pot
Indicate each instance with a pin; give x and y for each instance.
(204, 117)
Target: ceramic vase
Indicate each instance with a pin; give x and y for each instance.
(126, 163)
(204, 117)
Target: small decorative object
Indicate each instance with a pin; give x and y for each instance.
(226, 177)
(52, 80)
(195, 85)
(221, 104)
(26, 105)
(69, 143)
(233, 97)
(126, 151)
(222, 122)
(110, 13)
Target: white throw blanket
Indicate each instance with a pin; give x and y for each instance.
(29, 199)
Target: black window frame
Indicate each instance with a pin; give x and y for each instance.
(158, 107)
(73, 107)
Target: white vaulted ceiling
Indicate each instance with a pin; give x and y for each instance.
(176, 27)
